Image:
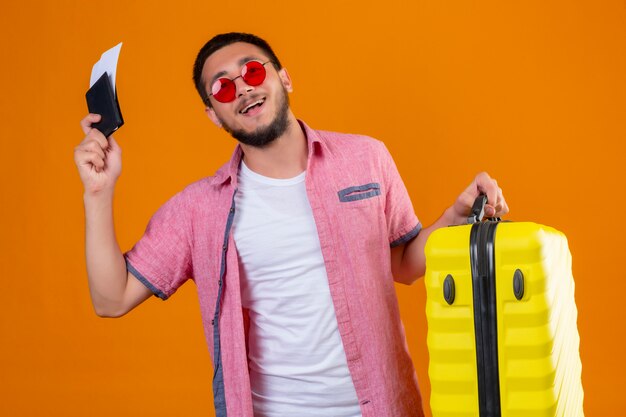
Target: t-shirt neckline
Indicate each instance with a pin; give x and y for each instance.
(248, 173)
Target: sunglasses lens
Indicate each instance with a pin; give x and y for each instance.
(253, 73)
(223, 90)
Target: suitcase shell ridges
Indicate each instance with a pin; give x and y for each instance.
(454, 388)
(538, 342)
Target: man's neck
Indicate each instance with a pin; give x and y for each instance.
(285, 157)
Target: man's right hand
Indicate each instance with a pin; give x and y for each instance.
(99, 161)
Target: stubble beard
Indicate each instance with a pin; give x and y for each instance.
(264, 135)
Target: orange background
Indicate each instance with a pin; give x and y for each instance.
(533, 92)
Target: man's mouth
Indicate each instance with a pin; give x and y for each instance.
(252, 107)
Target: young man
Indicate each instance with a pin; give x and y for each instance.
(294, 246)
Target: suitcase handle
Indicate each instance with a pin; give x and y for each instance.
(478, 211)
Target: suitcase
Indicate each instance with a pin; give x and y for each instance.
(502, 335)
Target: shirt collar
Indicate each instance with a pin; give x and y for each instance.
(231, 168)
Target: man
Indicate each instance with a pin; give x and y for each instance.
(294, 246)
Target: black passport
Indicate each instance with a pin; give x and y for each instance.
(102, 100)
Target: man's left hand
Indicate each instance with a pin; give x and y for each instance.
(483, 184)
(408, 262)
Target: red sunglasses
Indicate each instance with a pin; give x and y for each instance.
(252, 73)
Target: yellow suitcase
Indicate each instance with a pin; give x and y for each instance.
(502, 335)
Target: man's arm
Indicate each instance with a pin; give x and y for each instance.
(408, 261)
(114, 291)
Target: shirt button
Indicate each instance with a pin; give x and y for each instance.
(224, 247)
(232, 210)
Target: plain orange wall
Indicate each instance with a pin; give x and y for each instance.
(533, 92)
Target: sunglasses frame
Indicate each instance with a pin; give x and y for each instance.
(232, 80)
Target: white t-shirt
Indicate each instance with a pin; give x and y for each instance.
(297, 360)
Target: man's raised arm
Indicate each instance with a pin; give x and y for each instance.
(113, 290)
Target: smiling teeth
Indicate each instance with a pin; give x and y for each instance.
(249, 106)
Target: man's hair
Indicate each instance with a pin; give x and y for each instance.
(220, 41)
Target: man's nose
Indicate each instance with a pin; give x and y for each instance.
(242, 87)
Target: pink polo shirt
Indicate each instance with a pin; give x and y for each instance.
(361, 209)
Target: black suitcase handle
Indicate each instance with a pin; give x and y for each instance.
(478, 211)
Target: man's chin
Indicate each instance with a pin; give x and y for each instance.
(261, 136)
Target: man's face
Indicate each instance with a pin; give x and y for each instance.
(262, 123)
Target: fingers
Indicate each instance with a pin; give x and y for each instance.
(90, 154)
(113, 146)
(85, 124)
(92, 151)
(503, 207)
(94, 135)
(496, 204)
(500, 208)
(488, 186)
(92, 147)
(91, 158)
(483, 184)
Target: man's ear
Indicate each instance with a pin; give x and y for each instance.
(214, 118)
(285, 79)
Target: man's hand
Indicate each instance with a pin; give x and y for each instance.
(408, 262)
(99, 161)
(483, 184)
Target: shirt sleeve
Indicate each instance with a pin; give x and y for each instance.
(403, 225)
(161, 259)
